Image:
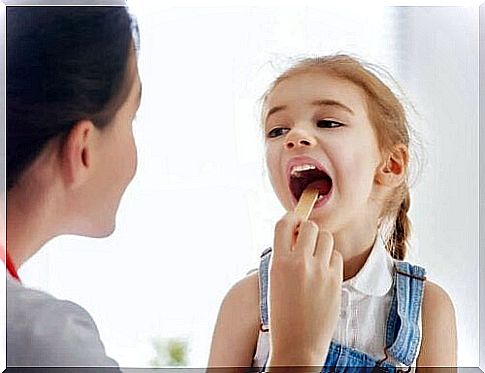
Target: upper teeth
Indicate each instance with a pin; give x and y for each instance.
(295, 170)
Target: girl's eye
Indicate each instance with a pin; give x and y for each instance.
(326, 123)
(278, 131)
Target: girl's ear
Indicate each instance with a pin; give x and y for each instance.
(392, 170)
(77, 153)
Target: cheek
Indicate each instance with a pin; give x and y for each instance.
(273, 164)
(125, 157)
(131, 156)
(356, 171)
(277, 175)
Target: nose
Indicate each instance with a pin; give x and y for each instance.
(297, 138)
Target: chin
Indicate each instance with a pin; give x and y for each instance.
(324, 225)
(102, 232)
(108, 232)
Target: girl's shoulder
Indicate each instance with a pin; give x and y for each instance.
(439, 338)
(245, 290)
(237, 325)
(436, 301)
(243, 299)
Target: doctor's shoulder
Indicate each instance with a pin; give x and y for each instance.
(45, 331)
(237, 324)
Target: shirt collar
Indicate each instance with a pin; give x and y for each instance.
(375, 277)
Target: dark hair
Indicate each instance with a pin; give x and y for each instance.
(64, 64)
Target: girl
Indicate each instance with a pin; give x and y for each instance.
(72, 92)
(332, 124)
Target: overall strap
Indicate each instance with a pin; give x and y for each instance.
(263, 289)
(403, 329)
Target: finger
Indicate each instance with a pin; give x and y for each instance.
(284, 234)
(307, 238)
(324, 247)
(337, 263)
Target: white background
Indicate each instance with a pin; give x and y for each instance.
(200, 209)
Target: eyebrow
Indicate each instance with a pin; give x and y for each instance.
(329, 102)
(324, 102)
(273, 110)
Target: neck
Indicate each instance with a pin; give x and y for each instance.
(29, 224)
(355, 246)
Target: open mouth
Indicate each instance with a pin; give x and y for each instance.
(307, 175)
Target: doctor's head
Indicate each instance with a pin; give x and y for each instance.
(72, 93)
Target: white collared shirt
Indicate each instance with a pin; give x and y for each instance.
(366, 301)
(365, 306)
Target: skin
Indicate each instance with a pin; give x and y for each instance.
(345, 144)
(75, 186)
(342, 138)
(72, 187)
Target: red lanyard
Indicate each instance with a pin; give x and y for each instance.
(8, 262)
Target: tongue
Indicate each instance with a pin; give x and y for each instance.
(323, 186)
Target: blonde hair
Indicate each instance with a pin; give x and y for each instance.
(388, 116)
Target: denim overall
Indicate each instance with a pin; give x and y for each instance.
(402, 331)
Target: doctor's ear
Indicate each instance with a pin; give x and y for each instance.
(392, 171)
(77, 153)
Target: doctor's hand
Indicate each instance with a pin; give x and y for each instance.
(305, 281)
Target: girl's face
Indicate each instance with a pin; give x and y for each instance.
(317, 132)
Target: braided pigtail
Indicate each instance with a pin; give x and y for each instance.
(397, 242)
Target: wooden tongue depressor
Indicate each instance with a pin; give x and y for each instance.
(306, 203)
